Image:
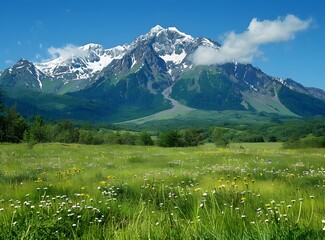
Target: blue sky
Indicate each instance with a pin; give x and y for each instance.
(30, 28)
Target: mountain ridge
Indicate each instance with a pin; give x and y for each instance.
(134, 76)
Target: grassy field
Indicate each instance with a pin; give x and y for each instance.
(246, 191)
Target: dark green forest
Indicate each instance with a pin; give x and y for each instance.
(14, 128)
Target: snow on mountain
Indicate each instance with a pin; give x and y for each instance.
(171, 45)
(82, 64)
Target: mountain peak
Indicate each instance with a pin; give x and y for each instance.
(156, 29)
(22, 62)
(92, 46)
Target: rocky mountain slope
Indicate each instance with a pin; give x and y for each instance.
(131, 79)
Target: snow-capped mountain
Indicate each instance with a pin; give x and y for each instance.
(23, 74)
(137, 74)
(170, 44)
(173, 46)
(83, 64)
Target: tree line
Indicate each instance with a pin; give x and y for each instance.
(299, 134)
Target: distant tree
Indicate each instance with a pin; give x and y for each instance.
(272, 138)
(64, 131)
(192, 137)
(127, 138)
(170, 138)
(219, 137)
(144, 139)
(1, 102)
(13, 126)
(38, 132)
(86, 137)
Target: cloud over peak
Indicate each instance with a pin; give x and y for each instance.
(243, 47)
(67, 52)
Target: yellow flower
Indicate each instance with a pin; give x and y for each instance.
(38, 180)
(103, 182)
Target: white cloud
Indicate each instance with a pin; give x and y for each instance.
(244, 47)
(67, 52)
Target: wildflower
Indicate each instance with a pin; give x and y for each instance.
(312, 197)
(38, 180)
(289, 206)
(243, 216)
(157, 223)
(74, 225)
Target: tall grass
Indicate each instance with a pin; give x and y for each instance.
(258, 191)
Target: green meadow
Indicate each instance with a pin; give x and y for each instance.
(245, 191)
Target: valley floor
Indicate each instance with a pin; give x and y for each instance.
(246, 191)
